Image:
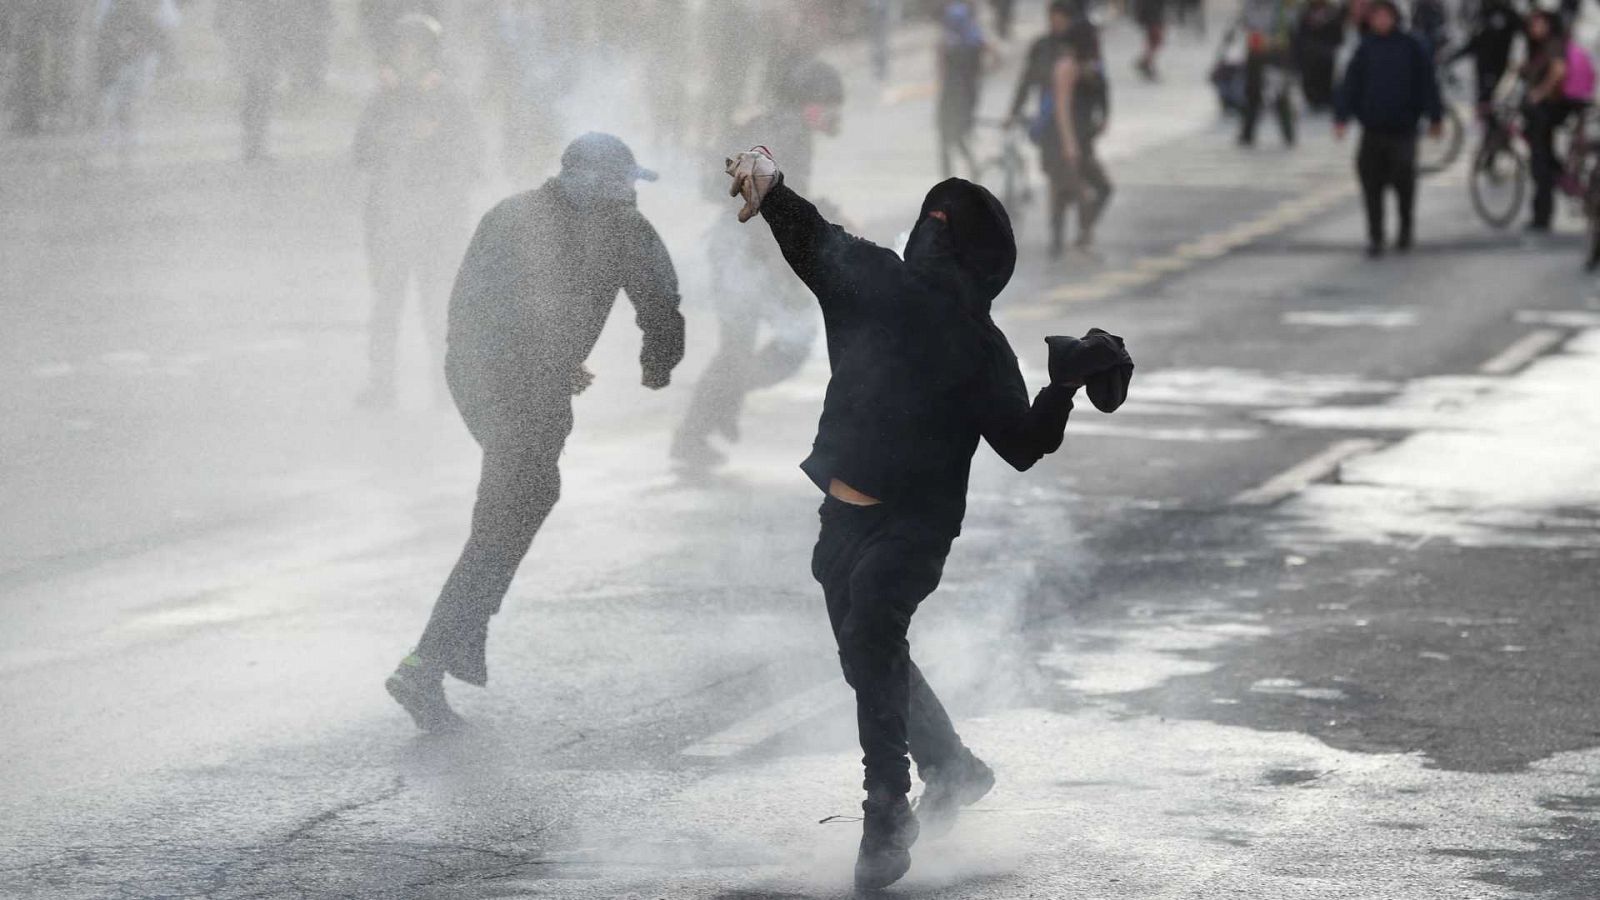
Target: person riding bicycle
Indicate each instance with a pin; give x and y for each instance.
(1544, 108)
(1494, 32)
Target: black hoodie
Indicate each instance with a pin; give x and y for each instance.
(920, 371)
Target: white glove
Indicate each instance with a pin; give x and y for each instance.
(754, 173)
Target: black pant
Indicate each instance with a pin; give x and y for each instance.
(1387, 161)
(1543, 120)
(1316, 76)
(518, 487)
(1255, 86)
(738, 368)
(875, 566)
(394, 261)
(1086, 184)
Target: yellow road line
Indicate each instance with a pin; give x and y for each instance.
(1215, 245)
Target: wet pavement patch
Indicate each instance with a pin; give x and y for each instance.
(1560, 859)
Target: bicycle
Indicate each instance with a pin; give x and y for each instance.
(1499, 179)
(1498, 182)
(1016, 189)
(1440, 153)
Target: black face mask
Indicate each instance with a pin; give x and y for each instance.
(930, 241)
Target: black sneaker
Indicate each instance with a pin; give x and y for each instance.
(418, 686)
(960, 782)
(888, 830)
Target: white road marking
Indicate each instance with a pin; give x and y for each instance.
(1522, 351)
(1295, 478)
(1560, 318)
(1359, 317)
(1194, 435)
(767, 723)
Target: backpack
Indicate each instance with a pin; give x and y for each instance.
(1579, 83)
(1092, 91)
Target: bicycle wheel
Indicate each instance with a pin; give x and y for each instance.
(1014, 191)
(1438, 154)
(1498, 181)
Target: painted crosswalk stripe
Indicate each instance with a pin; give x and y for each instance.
(1295, 478)
(1522, 351)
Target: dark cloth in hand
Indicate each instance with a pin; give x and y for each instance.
(1099, 361)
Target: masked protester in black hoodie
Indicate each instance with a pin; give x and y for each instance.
(920, 373)
(529, 303)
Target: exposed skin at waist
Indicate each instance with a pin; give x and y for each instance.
(842, 492)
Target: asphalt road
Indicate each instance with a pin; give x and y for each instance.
(1312, 616)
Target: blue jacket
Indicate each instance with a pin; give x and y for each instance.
(1389, 86)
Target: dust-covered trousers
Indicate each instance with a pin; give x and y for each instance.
(875, 565)
(755, 295)
(519, 485)
(421, 244)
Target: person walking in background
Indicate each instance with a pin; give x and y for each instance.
(1151, 15)
(1389, 86)
(42, 36)
(131, 37)
(255, 31)
(1319, 33)
(752, 289)
(960, 60)
(1066, 72)
(1005, 12)
(420, 145)
(533, 294)
(1266, 25)
(919, 374)
(1495, 30)
(1076, 116)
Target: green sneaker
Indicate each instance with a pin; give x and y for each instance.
(418, 686)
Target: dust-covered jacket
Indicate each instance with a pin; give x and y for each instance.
(532, 296)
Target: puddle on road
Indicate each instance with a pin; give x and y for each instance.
(1221, 386)
(1125, 659)
(1096, 803)
(1493, 462)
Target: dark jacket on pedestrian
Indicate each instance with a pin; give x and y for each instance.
(1493, 35)
(1389, 86)
(533, 294)
(1038, 73)
(919, 370)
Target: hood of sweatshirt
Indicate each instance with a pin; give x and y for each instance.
(973, 249)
